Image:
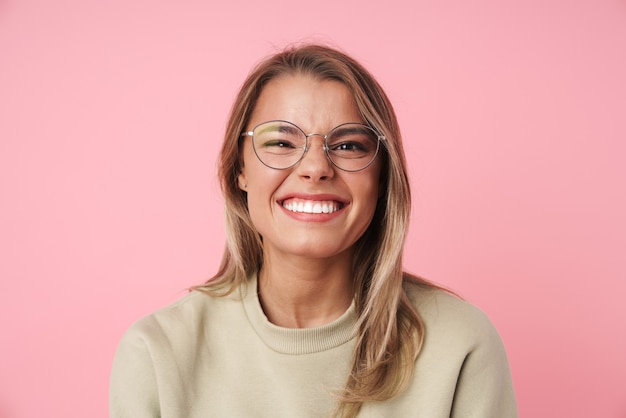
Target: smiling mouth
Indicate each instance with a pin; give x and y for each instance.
(312, 206)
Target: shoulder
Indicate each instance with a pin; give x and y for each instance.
(451, 320)
(187, 318)
(156, 350)
(464, 351)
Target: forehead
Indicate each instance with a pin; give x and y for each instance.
(314, 105)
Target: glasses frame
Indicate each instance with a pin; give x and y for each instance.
(306, 147)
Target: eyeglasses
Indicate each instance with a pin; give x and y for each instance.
(280, 145)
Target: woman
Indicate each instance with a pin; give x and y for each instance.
(310, 313)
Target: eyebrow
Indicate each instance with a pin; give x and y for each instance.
(280, 127)
(353, 129)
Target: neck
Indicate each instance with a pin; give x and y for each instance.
(303, 293)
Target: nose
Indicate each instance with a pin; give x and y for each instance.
(315, 164)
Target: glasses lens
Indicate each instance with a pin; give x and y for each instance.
(352, 146)
(278, 144)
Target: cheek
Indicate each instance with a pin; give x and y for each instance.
(375, 185)
(261, 190)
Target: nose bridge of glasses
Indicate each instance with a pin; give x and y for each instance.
(321, 136)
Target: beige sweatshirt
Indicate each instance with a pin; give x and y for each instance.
(220, 357)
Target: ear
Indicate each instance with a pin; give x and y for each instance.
(242, 181)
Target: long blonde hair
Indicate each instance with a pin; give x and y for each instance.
(390, 331)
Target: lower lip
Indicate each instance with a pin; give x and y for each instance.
(313, 217)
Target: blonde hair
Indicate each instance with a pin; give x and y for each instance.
(390, 331)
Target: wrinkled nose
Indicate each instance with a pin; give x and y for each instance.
(315, 164)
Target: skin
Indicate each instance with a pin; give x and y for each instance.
(306, 278)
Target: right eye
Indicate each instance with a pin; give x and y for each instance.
(277, 143)
(278, 139)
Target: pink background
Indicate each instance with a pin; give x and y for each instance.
(514, 116)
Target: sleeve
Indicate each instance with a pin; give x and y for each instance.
(484, 388)
(133, 391)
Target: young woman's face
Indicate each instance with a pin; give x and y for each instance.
(284, 205)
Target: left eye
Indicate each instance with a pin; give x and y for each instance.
(348, 146)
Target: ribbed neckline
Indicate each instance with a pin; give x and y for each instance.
(296, 340)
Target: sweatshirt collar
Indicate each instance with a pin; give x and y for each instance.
(296, 340)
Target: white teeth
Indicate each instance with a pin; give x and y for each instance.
(310, 206)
